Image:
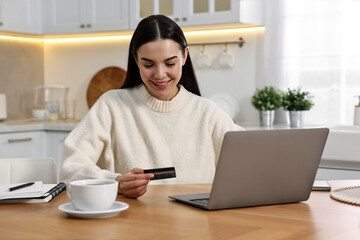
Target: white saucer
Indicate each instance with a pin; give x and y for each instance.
(69, 209)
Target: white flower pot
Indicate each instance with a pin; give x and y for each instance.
(267, 118)
(296, 118)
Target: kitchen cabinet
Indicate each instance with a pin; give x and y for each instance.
(20, 16)
(55, 148)
(77, 16)
(34, 144)
(86, 16)
(23, 145)
(187, 12)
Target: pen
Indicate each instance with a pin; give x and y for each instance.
(21, 186)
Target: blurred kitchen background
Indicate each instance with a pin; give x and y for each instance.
(40, 45)
(236, 47)
(308, 44)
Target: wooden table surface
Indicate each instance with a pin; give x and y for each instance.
(155, 216)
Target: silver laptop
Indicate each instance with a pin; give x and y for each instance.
(262, 168)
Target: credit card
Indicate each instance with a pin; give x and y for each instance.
(161, 173)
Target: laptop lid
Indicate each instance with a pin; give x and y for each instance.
(265, 167)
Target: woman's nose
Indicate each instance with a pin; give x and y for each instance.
(159, 72)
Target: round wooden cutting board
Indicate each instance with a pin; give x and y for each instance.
(103, 81)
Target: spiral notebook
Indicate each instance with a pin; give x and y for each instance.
(49, 192)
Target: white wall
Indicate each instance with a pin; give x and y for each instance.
(21, 69)
(74, 64)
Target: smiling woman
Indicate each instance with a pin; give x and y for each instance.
(157, 119)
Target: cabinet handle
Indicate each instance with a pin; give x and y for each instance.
(12, 140)
(184, 19)
(1, 23)
(88, 25)
(82, 25)
(176, 19)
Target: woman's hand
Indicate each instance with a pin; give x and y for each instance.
(134, 183)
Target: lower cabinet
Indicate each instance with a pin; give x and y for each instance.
(23, 144)
(34, 144)
(55, 147)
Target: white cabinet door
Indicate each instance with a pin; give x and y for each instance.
(76, 16)
(107, 15)
(22, 145)
(140, 9)
(64, 16)
(55, 146)
(22, 16)
(202, 12)
(187, 12)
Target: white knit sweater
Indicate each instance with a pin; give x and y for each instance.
(129, 128)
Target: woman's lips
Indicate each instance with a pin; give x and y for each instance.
(162, 84)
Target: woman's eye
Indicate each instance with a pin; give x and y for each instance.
(148, 65)
(170, 64)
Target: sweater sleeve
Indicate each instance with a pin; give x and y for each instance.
(89, 145)
(221, 123)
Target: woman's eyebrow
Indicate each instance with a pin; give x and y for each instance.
(170, 58)
(149, 60)
(146, 59)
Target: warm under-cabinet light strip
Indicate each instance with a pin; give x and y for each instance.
(86, 39)
(27, 39)
(60, 40)
(122, 37)
(224, 31)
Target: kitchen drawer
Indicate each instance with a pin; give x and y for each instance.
(24, 144)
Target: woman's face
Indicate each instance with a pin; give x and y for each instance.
(160, 63)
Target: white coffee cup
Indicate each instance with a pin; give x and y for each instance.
(93, 194)
(203, 60)
(226, 60)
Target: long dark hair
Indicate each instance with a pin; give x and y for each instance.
(153, 28)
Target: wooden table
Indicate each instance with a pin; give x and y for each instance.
(155, 216)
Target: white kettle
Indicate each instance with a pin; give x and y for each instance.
(3, 110)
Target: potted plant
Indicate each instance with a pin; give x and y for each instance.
(266, 100)
(296, 102)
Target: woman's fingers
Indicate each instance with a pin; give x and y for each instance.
(137, 170)
(136, 192)
(136, 176)
(134, 184)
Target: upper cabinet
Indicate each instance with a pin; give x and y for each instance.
(20, 16)
(141, 8)
(187, 12)
(76, 16)
(82, 16)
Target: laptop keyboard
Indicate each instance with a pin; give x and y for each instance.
(202, 201)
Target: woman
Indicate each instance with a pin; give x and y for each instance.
(157, 119)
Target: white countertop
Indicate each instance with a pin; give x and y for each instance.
(22, 125)
(275, 127)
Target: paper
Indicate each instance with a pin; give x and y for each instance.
(35, 190)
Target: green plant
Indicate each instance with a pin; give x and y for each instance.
(296, 100)
(266, 99)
